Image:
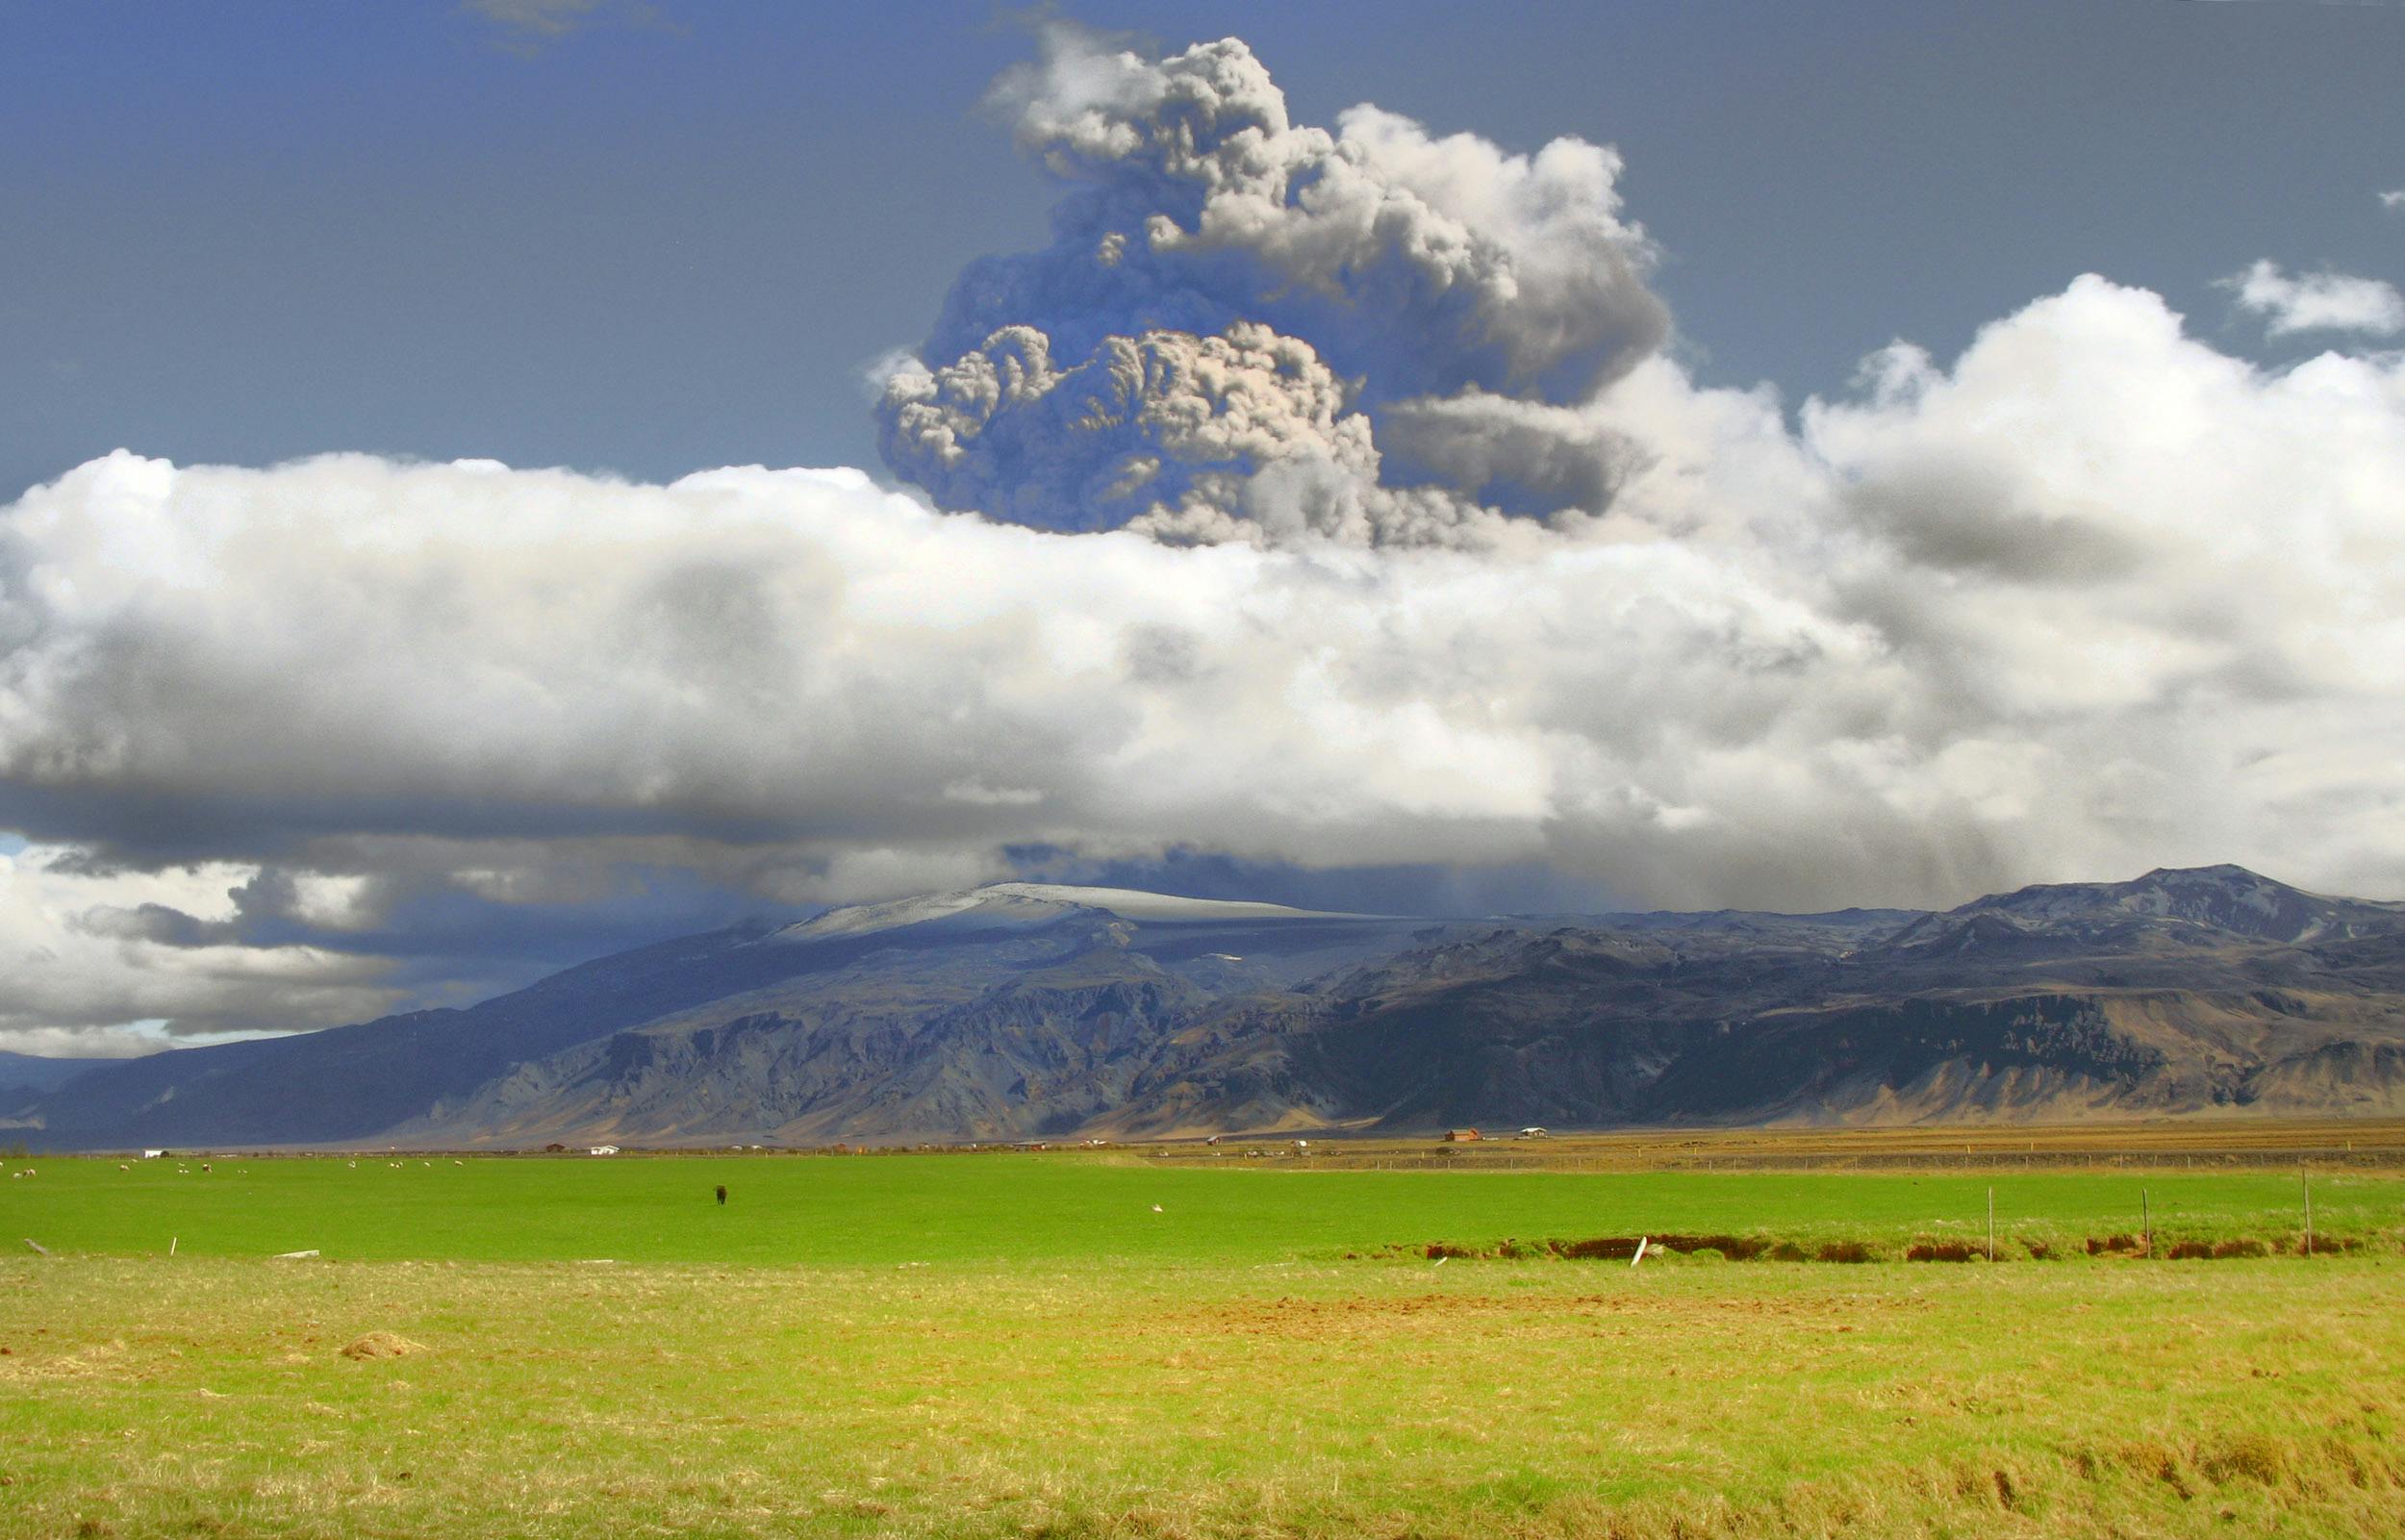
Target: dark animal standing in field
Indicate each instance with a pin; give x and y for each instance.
(721, 1198)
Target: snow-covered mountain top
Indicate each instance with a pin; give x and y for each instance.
(1133, 904)
(1038, 903)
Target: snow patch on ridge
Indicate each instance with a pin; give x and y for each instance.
(1035, 902)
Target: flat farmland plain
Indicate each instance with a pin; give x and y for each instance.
(1063, 1345)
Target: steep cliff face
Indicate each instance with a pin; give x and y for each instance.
(1027, 1010)
(1040, 1053)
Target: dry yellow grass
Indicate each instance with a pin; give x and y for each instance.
(139, 1399)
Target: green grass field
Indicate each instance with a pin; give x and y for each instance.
(1020, 1346)
(835, 1211)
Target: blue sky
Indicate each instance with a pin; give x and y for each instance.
(1688, 453)
(247, 233)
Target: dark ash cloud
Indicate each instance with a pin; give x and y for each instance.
(1231, 296)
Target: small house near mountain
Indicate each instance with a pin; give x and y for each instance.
(1463, 1136)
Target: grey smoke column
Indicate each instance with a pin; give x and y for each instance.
(1236, 310)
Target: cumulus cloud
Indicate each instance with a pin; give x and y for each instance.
(100, 963)
(1356, 275)
(2319, 302)
(2393, 201)
(2093, 597)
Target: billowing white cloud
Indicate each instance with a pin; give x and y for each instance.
(2097, 597)
(2393, 201)
(2319, 302)
(97, 963)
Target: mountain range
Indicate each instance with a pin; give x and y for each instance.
(25, 1073)
(1024, 1010)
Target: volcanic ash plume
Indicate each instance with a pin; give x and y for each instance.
(1238, 312)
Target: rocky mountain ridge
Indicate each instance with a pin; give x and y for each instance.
(1033, 1010)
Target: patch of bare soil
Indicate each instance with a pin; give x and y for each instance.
(1622, 1247)
(382, 1345)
